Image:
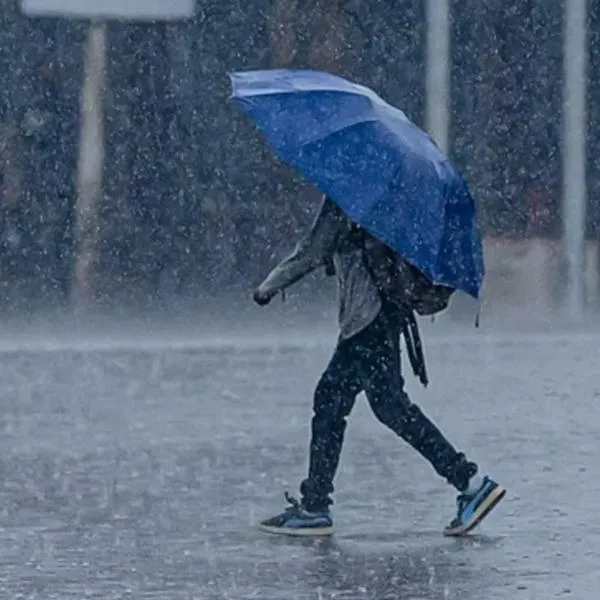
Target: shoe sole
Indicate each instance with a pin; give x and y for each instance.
(298, 532)
(482, 511)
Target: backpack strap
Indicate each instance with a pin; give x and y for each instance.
(414, 348)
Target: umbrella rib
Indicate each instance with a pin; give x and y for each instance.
(347, 125)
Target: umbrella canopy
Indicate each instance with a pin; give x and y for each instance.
(383, 171)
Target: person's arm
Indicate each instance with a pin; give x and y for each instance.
(314, 250)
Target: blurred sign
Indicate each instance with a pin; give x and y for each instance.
(148, 10)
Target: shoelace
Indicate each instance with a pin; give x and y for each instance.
(295, 505)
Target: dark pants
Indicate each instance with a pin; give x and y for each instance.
(370, 362)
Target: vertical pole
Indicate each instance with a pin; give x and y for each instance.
(90, 167)
(574, 152)
(438, 93)
(437, 86)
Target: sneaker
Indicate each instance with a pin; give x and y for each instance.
(473, 507)
(296, 520)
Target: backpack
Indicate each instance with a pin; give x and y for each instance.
(401, 283)
(401, 286)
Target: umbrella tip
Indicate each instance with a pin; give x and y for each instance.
(478, 313)
(232, 81)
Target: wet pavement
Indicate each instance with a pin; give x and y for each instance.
(140, 473)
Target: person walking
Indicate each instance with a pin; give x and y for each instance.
(366, 359)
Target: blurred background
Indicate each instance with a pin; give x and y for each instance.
(195, 205)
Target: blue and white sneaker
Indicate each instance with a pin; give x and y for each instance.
(297, 521)
(474, 506)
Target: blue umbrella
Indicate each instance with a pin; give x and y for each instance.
(384, 172)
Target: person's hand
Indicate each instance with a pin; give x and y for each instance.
(261, 298)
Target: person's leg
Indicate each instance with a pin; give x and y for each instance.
(334, 398)
(384, 386)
